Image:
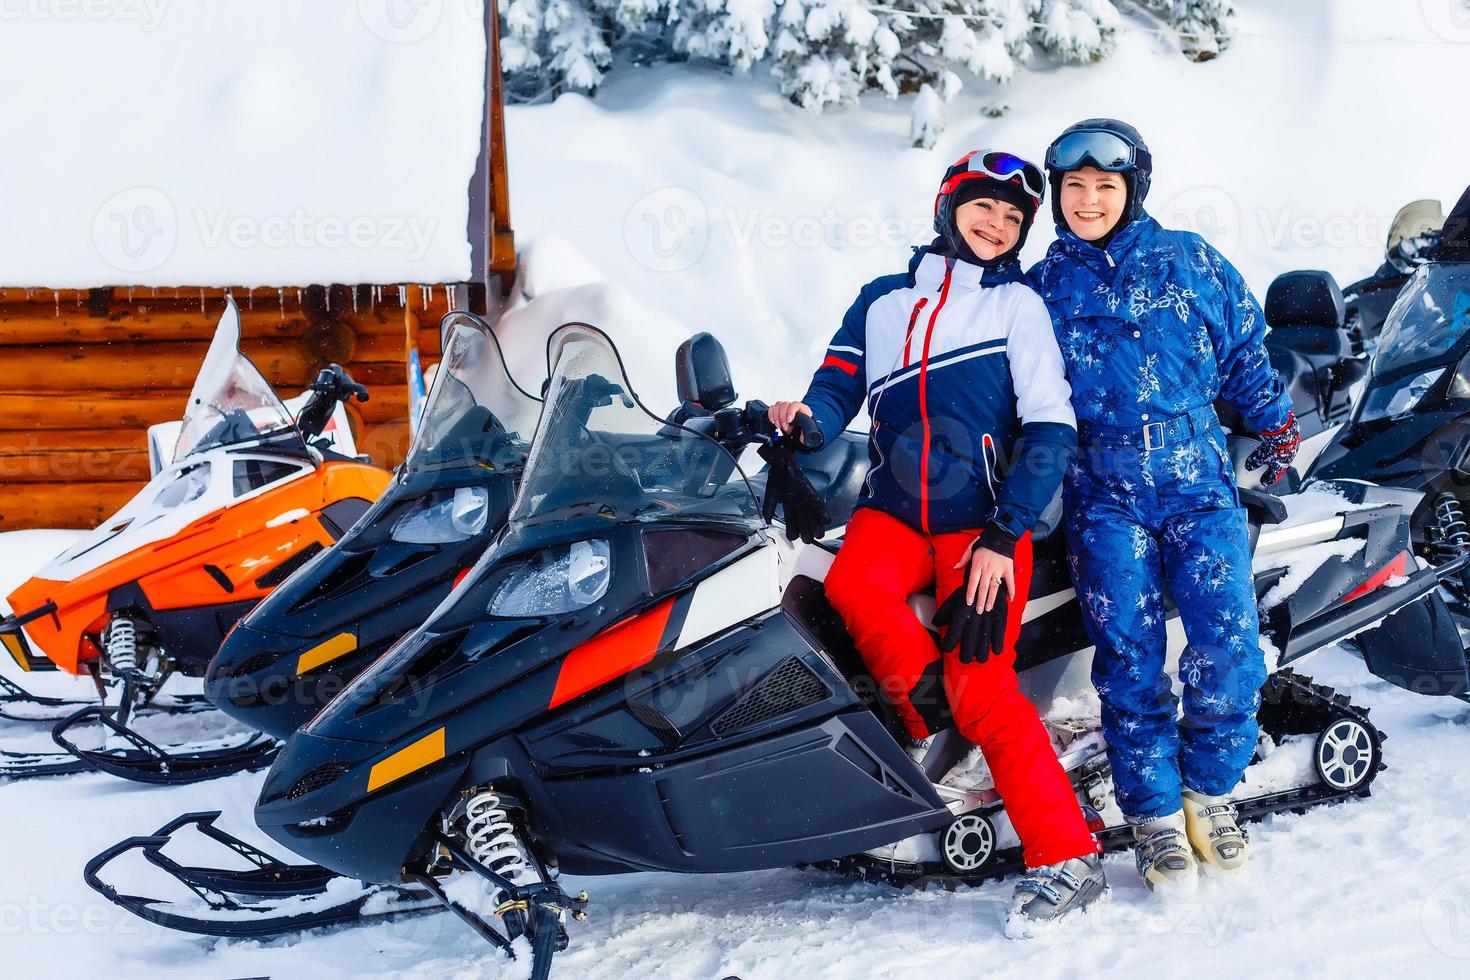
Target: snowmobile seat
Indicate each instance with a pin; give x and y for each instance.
(1308, 298)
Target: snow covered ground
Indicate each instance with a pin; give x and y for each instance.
(681, 199)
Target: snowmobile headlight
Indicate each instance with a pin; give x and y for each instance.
(444, 518)
(1399, 398)
(558, 580)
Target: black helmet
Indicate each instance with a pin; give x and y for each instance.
(1107, 144)
(987, 173)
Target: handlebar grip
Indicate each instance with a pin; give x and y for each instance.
(807, 433)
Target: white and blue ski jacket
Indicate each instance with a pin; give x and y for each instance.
(972, 421)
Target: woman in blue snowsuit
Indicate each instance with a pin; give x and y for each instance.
(1155, 325)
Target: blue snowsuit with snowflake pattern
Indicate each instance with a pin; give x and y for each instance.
(1154, 329)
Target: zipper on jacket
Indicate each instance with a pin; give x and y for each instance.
(909, 334)
(924, 400)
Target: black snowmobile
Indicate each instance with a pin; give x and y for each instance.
(1411, 429)
(1312, 346)
(640, 675)
(334, 616)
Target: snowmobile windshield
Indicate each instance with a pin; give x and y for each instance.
(475, 412)
(600, 454)
(231, 402)
(1428, 320)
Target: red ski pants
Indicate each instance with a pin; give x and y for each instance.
(882, 562)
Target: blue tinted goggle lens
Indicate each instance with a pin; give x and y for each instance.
(1105, 150)
(1007, 165)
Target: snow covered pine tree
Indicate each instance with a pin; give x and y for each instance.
(828, 52)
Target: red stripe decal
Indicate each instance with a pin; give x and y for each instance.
(837, 362)
(1395, 567)
(909, 336)
(612, 653)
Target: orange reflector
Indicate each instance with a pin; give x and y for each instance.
(424, 752)
(12, 643)
(326, 652)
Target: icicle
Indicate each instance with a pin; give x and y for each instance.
(299, 303)
(281, 292)
(57, 297)
(250, 298)
(426, 295)
(403, 296)
(354, 301)
(130, 294)
(201, 299)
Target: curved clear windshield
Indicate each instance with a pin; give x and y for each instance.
(231, 402)
(1429, 317)
(474, 409)
(599, 452)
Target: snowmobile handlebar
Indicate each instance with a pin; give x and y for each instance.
(12, 624)
(332, 385)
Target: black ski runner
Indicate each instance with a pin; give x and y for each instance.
(269, 898)
(1347, 756)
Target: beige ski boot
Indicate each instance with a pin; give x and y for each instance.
(1164, 858)
(1217, 839)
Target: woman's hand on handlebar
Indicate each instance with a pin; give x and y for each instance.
(782, 414)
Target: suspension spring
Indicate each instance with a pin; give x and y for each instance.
(121, 645)
(1449, 519)
(491, 838)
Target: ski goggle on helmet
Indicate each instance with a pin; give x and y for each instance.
(1100, 148)
(997, 165)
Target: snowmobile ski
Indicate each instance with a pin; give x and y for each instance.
(269, 898)
(146, 762)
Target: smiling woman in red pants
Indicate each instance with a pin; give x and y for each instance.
(972, 430)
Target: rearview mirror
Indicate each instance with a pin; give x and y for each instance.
(703, 373)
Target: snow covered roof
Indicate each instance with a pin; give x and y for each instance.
(274, 142)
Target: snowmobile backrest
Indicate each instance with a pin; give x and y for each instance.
(1309, 298)
(703, 373)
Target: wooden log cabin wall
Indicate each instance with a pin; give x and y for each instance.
(83, 373)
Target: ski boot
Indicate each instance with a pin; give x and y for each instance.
(1049, 893)
(1164, 859)
(1217, 839)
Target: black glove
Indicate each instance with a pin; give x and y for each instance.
(1276, 451)
(977, 633)
(805, 512)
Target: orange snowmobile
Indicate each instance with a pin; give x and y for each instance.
(249, 495)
